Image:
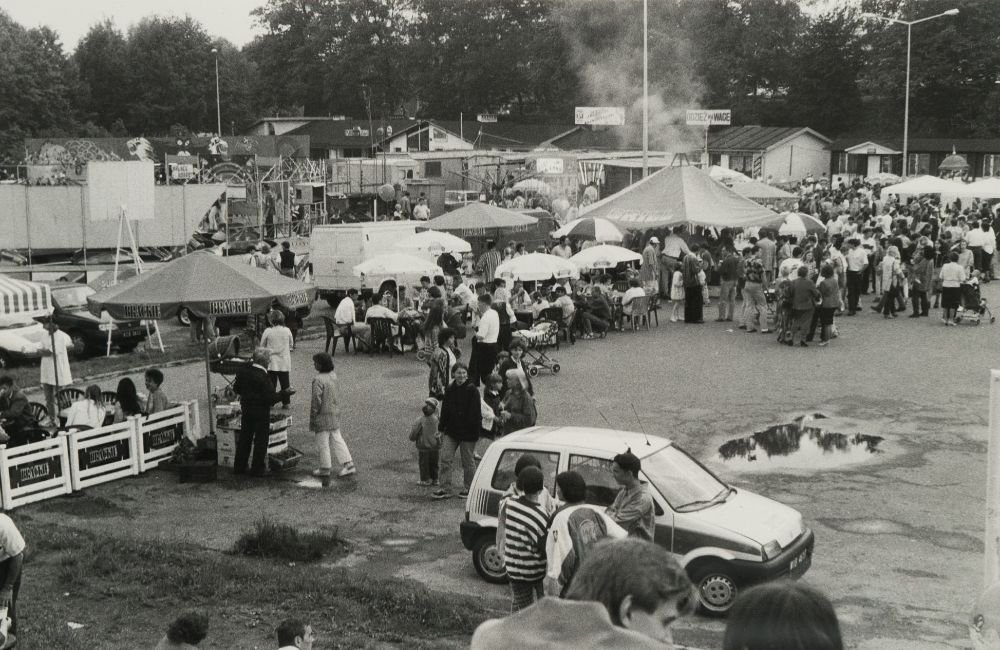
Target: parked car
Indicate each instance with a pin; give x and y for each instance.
(88, 332)
(20, 342)
(726, 538)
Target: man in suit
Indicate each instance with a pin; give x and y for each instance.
(257, 396)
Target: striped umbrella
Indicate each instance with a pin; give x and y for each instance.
(589, 228)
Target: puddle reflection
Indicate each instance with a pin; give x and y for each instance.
(798, 446)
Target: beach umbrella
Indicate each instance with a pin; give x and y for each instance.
(205, 284)
(481, 219)
(432, 242)
(798, 224)
(604, 257)
(404, 269)
(537, 267)
(589, 228)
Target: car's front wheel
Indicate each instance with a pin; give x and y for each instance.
(488, 561)
(717, 590)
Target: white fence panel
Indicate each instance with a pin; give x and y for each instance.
(33, 472)
(104, 454)
(158, 434)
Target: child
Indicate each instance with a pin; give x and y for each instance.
(492, 401)
(677, 293)
(425, 433)
(156, 401)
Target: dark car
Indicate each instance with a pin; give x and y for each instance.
(88, 332)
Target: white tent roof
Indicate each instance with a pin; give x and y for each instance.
(987, 188)
(924, 185)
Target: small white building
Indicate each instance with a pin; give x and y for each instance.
(770, 153)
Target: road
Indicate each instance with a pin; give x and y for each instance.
(898, 533)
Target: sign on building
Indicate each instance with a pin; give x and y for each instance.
(709, 117)
(487, 118)
(600, 115)
(549, 165)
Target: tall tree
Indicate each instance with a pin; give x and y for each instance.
(101, 60)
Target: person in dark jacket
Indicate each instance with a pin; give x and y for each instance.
(15, 413)
(257, 396)
(804, 296)
(461, 417)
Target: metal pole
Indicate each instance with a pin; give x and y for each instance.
(218, 106)
(645, 88)
(991, 573)
(906, 109)
(208, 380)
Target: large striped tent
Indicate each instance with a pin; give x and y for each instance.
(22, 300)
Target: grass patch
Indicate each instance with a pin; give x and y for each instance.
(274, 540)
(84, 505)
(126, 591)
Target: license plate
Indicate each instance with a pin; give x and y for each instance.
(798, 560)
(133, 333)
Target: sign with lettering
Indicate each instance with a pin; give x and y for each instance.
(104, 454)
(709, 117)
(549, 165)
(357, 132)
(37, 471)
(600, 115)
(486, 118)
(139, 312)
(163, 438)
(232, 306)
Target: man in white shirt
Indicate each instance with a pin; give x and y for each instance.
(989, 248)
(976, 238)
(857, 261)
(293, 634)
(55, 370)
(422, 212)
(484, 343)
(563, 250)
(344, 318)
(463, 293)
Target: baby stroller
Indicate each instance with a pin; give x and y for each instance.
(542, 335)
(973, 309)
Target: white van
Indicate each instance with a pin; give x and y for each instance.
(335, 250)
(726, 538)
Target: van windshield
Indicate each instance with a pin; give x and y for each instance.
(683, 481)
(73, 297)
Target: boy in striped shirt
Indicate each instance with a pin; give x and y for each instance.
(525, 524)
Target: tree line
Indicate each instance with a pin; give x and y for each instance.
(773, 62)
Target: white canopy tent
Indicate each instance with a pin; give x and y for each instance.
(924, 185)
(987, 188)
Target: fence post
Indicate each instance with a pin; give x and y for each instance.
(5, 479)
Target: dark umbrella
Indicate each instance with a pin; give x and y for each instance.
(207, 285)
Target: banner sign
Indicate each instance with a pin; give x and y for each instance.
(167, 437)
(709, 117)
(600, 115)
(487, 118)
(549, 165)
(36, 471)
(104, 454)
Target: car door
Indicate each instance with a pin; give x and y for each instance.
(602, 490)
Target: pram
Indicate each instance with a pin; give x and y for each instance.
(542, 335)
(973, 309)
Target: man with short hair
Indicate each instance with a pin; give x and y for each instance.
(257, 396)
(574, 529)
(728, 277)
(422, 212)
(484, 343)
(293, 634)
(633, 508)
(15, 411)
(345, 317)
(563, 250)
(857, 262)
(754, 300)
(524, 525)
(489, 261)
(626, 594)
(649, 272)
(768, 254)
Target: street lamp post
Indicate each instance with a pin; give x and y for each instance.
(218, 106)
(909, 38)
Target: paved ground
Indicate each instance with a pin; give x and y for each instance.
(899, 536)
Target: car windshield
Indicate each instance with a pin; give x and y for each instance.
(682, 480)
(73, 297)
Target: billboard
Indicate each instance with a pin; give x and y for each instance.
(709, 117)
(600, 115)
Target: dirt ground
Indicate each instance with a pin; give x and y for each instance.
(898, 533)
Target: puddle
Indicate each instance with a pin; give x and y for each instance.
(798, 446)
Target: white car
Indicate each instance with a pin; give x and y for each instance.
(19, 342)
(726, 538)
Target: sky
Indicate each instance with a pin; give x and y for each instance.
(71, 19)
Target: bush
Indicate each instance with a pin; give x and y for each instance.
(274, 540)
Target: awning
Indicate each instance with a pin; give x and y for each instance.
(25, 300)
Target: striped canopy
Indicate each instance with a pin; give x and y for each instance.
(22, 299)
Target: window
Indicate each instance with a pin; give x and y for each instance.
(742, 163)
(891, 164)
(857, 163)
(503, 475)
(432, 169)
(715, 159)
(596, 472)
(918, 164)
(682, 480)
(840, 164)
(354, 153)
(991, 164)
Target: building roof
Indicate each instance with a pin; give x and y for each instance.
(924, 145)
(504, 135)
(616, 138)
(756, 138)
(347, 134)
